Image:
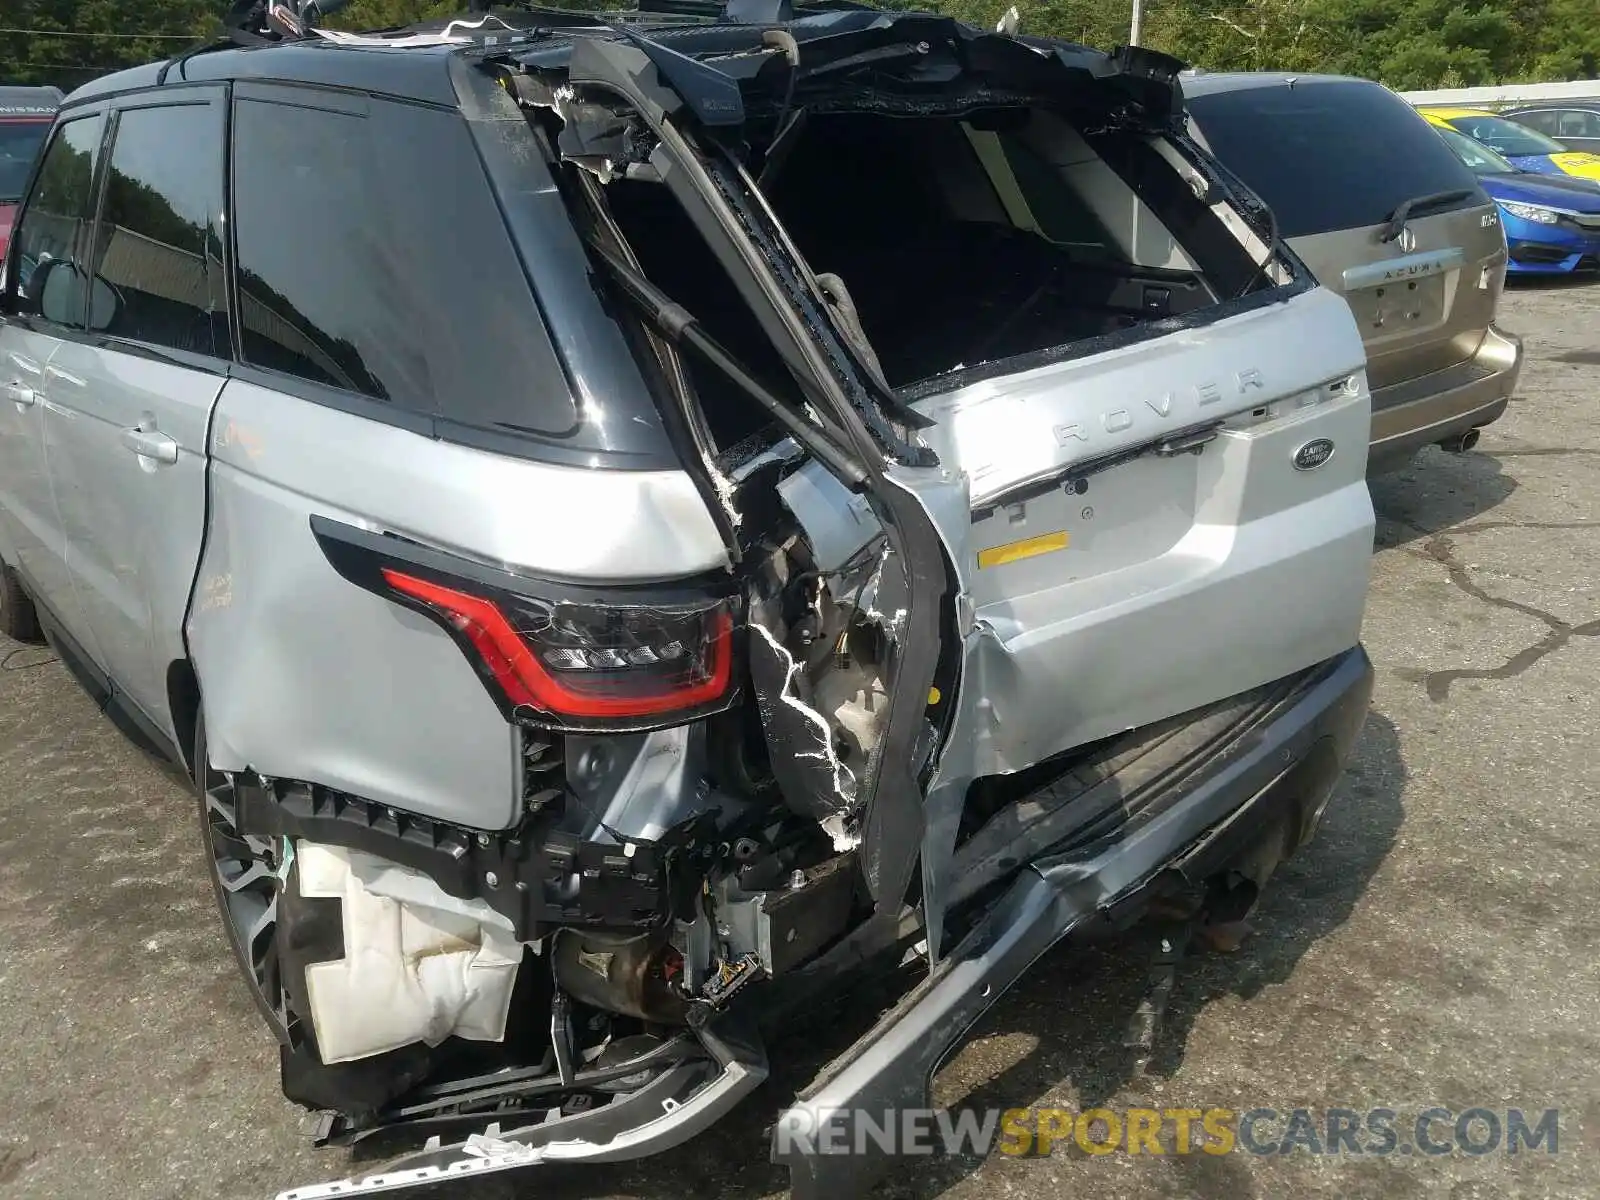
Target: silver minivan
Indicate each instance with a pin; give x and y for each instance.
(630, 526)
(1384, 214)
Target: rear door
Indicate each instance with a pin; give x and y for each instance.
(1574, 128)
(1335, 159)
(44, 304)
(126, 431)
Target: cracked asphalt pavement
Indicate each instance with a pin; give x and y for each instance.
(1436, 945)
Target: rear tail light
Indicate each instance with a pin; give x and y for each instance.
(598, 659)
(587, 663)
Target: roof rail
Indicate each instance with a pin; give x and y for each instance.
(261, 23)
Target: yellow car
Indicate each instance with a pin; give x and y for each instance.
(1526, 148)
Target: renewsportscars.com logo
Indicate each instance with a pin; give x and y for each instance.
(1038, 1132)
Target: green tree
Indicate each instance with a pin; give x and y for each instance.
(1404, 43)
(391, 14)
(75, 40)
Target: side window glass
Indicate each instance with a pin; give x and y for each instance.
(1544, 122)
(46, 257)
(360, 271)
(157, 264)
(1578, 125)
(20, 143)
(311, 303)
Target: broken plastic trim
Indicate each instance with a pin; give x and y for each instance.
(805, 761)
(1247, 798)
(623, 883)
(464, 1103)
(679, 1103)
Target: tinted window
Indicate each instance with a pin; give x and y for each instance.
(1544, 122)
(19, 146)
(1335, 155)
(1577, 125)
(372, 257)
(46, 250)
(1506, 137)
(155, 244)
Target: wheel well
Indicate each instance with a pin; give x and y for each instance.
(183, 701)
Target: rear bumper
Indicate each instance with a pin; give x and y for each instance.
(1445, 404)
(1266, 788)
(1254, 796)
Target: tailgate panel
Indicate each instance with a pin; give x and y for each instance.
(1126, 515)
(1179, 579)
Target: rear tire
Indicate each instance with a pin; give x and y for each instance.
(263, 918)
(18, 620)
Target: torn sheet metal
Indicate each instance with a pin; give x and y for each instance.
(418, 965)
(804, 760)
(455, 33)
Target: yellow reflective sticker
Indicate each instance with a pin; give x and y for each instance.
(1579, 163)
(1045, 543)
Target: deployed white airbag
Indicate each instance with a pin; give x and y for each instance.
(418, 965)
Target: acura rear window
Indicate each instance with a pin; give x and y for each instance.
(1328, 155)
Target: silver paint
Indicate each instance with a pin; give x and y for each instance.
(305, 676)
(133, 524)
(1139, 617)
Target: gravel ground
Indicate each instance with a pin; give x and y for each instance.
(1436, 945)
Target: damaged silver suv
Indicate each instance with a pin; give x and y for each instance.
(634, 525)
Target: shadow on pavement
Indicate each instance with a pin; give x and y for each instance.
(1438, 490)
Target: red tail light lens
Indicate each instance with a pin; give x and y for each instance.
(582, 663)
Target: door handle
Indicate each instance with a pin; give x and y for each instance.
(151, 444)
(21, 394)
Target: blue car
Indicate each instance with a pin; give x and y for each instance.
(1525, 147)
(1552, 222)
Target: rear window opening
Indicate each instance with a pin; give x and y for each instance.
(963, 242)
(972, 241)
(672, 253)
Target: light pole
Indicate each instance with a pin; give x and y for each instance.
(1138, 22)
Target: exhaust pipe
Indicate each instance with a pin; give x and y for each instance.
(1461, 442)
